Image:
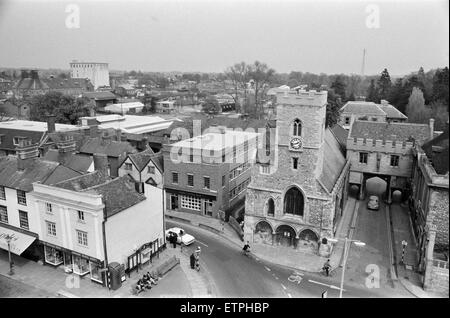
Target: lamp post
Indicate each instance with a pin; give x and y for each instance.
(8, 240)
(357, 243)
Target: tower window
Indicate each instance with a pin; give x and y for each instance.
(297, 127)
(295, 163)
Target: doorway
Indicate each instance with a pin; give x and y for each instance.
(174, 202)
(208, 207)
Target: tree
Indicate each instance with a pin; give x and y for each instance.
(351, 97)
(211, 105)
(384, 85)
(439, 112)
(372, 94)
(261, 75)
(149, 102)
(339, 86)
(440, 86)
(66, 108)
(334, 103)
(416, 110)
(238, 74)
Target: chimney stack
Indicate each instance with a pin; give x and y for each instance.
(93, 131)
(101, 163)
(26, 152)
(66, 146)
(51, 124)
(431, 128)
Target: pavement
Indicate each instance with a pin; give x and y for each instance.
(32, 279)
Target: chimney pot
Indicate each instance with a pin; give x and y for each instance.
(431, 128)
(51, 127)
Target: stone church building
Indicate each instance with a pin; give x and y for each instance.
(299, 183)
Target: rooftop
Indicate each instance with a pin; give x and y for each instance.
(437, 151)
(362, 108)
(392, 112)
(217, 141)
(111, 148)
(100, 95)
(333, 162)
(40, 126)
(77, 162)
(141, 159)
(133, 124)
(390, 131)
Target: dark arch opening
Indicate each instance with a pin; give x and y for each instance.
(294, 202)
(270, 207)
(285, 236)
(263, 233)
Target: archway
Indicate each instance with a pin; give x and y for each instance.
(308, 239)
(263, 233)
(397, 196)
(353, 191)
(375, 186)
(294, 202)
(285, 236)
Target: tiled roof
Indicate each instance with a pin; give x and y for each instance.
(390, 131)
(9, 134)
(437, 151)
(39, 170)
(362, 108)
(142, 158)
(59, 83)
(118, 194)
(77, 162)
(83, 182)
(392, 112)
(333, 161)
(29, 83)
(109, 147)
(341, 134)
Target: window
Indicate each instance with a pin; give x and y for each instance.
(191, 158)
(82, 238)
(347, 120)
(3, 214)
(2, 193)
(207, 182)
(223, 181)
(297, 128)
(294, 202)
(51, 228)
(394, 160)
(16, 141)
(80, 216)
(374, 119)
(191, 202)
(128, 166)
(174, 177)
(190, 181)
(151, 169)
(48, 207)
(23, 220)
(265, 169)
(223, 157)
(246, 146)
(270, 207)
(21, 197)
(363, 157)
(295, 163)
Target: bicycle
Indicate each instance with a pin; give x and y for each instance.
(246, 253)
(324, 272)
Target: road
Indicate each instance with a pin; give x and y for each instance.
(10, 288)
(235, 275)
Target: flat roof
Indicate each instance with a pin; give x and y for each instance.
(134, 124)
(217, 141)
(35, 125)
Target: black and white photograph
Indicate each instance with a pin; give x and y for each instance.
(224, 154)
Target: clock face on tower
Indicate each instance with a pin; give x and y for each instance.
(296, 143)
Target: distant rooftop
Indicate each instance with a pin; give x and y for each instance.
(390, 131)
(40, 126)
(133, 124)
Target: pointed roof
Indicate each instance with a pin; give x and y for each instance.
(333, 162)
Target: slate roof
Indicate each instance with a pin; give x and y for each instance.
(392, 112)
(341, 135)
(100, 95)
(437, 151)
(390, 131)
(362, 108)
(333, 161)
(69, 83)
(9, 134)
(109, 147)
(39, 170)
(118, 194)
(77, 162)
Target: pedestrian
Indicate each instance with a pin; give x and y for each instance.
(327, 267)
(193, 261)
(174, 240)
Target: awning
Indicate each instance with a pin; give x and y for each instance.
(19, 241)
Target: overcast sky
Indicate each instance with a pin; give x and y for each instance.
(209, 35)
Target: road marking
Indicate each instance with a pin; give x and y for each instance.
(267, 268)
(202, 243)
(330, 286)
(284, 287)
(289, 295)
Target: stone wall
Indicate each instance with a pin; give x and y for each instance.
(437, 278)
(438, 217)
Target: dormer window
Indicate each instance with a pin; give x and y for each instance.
(297, 127)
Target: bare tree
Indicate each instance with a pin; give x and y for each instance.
(239, 76)
(261, 75)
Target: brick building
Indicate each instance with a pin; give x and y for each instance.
(208, 173)
(298, 190)
(429, 211)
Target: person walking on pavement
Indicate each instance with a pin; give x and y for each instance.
(327, 267)
(174, 240)
(193, 260)
(197, 258)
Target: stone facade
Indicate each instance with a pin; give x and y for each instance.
(267, 218)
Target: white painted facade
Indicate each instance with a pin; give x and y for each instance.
(97, 73)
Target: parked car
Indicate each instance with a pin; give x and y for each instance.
(182, 236)
(373, 203)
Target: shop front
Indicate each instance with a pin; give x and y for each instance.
(143, 255)
(74, 262)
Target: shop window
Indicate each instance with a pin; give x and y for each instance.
(80, 265)
(191, 202)
(68, 265)
(53, 256)
(95, 269)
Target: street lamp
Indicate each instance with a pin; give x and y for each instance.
(357, 243)
(8, 238)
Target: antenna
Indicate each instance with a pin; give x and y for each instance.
(363, 62)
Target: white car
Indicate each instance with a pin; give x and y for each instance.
(182, 237)
(373, 203)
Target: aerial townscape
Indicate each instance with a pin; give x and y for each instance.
(303, 172)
